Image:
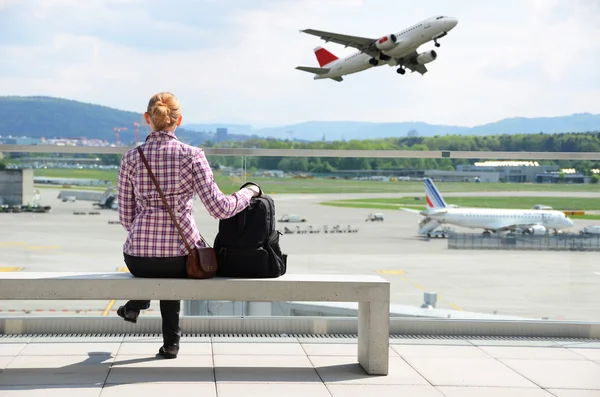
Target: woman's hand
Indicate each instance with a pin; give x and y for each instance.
(255, 190)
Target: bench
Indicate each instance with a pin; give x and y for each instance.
(371, 292)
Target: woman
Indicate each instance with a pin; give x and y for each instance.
(153, 247)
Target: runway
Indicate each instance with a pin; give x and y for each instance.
(553, 285)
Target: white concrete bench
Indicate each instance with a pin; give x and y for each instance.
(371, 292)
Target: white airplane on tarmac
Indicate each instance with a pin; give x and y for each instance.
(399, 49)
(490, 219)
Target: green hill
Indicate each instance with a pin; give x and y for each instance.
(62, 118)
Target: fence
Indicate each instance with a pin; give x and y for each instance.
(561, 242)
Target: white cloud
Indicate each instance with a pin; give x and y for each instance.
(504, 59)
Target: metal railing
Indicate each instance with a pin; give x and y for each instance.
(548, 242)
(319, 324)
(415, 154)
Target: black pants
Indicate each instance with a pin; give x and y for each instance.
(173, 267)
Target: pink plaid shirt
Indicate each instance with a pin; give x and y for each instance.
(180, 170)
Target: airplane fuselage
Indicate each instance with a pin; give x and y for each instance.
(491, 219)
(408, 41)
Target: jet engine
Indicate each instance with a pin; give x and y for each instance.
(386, 43)
(535, 229)
(426, 57)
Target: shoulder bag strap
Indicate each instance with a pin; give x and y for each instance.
(164, 200)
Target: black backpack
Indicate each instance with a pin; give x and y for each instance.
(247, 244)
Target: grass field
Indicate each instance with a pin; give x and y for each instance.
(316, 186)
(558, 203)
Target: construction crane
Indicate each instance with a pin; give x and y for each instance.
(137, 132)
(117, 130)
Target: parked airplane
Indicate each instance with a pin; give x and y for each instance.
(489, 219)
(399, 49)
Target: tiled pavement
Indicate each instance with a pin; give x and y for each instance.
(316, 367)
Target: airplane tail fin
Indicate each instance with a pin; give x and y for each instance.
(432, 195)
(324, 57)
(313, 70)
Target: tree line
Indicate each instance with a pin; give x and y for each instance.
(565, 142)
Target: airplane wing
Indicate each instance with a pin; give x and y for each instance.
(364, 44)
(410, 210)
(414, 66)
(496, 226)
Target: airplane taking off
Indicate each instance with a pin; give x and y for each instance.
(489, 219)
(399, 49)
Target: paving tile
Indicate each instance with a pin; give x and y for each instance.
(136, 369)
(272, 390)
(252, 339)
(567, 374)
(264, 369)
(531, 353)
(440, 351)
(590, 354)
(515, 343)
(382, 390)
(326, 341)
(272, 349)
(4, 360)
(346, 370)
(70, 349)
(144, 339)
(151, 349)
(449, 391)
(11, 349)
(574, 393)
(451, 371)
(51, 391)
(55, 370)
(342, 349)
(179, 389)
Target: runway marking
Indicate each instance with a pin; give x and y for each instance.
(10, 269)
(396, 272)
(123, 269)
(7, 243)
(43, 247)
(402, 276)
(108, 308)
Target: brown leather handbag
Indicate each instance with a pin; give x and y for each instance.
(201, 261)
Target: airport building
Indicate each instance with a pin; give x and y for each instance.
(16, 187)
(463, 176)
(511, 171)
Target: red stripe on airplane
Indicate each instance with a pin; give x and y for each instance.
(429, 204)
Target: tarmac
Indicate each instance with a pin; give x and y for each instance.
(552, 285)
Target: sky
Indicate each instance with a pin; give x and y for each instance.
(233, 61)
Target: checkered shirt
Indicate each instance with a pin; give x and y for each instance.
(180, 170)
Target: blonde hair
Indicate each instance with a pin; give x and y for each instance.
(163, 110)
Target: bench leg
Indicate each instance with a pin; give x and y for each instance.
(374, 336)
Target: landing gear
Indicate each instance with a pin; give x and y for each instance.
(384, 57)
(373, 61)
(436, 43)
(487, 233)
(401, 70)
